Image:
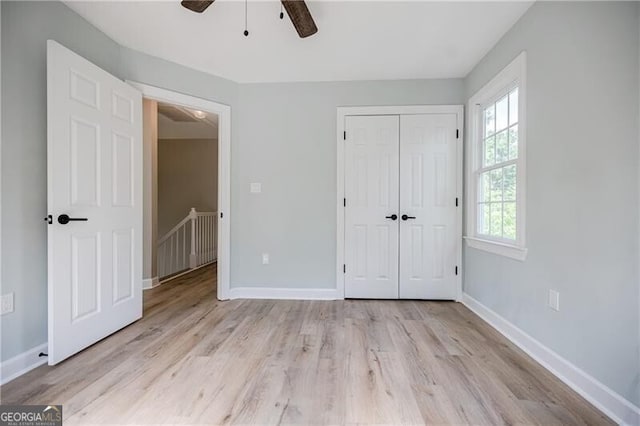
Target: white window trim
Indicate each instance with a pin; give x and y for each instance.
(512, 74)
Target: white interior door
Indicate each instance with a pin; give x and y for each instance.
(428, 233)
(95, 174)
(371, 190)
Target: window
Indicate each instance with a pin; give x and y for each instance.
(497, 164)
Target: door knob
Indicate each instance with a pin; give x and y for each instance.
(405, 217)
(63, 219)
(392, 217)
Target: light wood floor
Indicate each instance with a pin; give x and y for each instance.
(195, 360)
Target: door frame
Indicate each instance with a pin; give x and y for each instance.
(342, 113)
(224, 169)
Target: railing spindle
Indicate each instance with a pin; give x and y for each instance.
(190, 244)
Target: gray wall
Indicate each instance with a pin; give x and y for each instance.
(582, 189)
(290, 128)
(142, 68)
(288, 143)
(187, 177)
(296, 121)
(26, 26)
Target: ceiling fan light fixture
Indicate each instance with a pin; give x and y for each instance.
(199, 114)
(296, 9)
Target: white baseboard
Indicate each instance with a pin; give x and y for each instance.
(22, 363)
(606, 400)
(284, 293)
(149, 283)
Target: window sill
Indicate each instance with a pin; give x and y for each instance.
(507, 250)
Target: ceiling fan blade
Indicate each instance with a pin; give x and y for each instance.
(301, 17)
(198, 6)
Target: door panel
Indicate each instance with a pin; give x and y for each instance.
(123, 261)
(85, 280)
(94, 155)
(428, 173)
(371, 189)
(85, 163)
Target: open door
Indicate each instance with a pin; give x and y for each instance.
(94, 162)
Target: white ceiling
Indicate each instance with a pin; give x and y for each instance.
(175, 122)
(356, 40)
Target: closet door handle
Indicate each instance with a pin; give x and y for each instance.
(392, 217)
(405, 217)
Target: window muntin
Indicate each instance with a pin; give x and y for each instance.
(497, 173)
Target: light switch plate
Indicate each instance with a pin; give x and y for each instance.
(256, 188)
(6, 304)
(265, 258)
(554, 300)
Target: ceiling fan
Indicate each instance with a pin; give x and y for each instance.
(296, 9)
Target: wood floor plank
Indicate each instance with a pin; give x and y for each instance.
(193, 360)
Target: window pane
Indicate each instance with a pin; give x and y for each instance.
(502, 147)
(509, 221)
(484, 218)
(497, 189)
(490, 120)
(490, 151)
(485, 187)
(513, 142)
(496, 185)
(513, 106)
(496, 220)
(509, 182)
(502, 114)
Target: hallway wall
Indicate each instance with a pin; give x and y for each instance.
(187, 177)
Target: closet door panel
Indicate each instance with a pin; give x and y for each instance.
(428, 241)
(372, 194)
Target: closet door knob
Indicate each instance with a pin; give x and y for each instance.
(405, 217)
(392, 217)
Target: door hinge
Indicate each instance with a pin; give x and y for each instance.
(456, 201)
(457, 133)
(344, 135)
(456, 270)
(344, 202)
(221, 215)
(344, 269)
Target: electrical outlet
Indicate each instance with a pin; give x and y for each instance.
(255, 188)
(6, 304)
(554, 300)
(265, 258)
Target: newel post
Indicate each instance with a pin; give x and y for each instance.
(193, 257)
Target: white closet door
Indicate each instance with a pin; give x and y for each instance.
(428, 242)
(371, 189)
